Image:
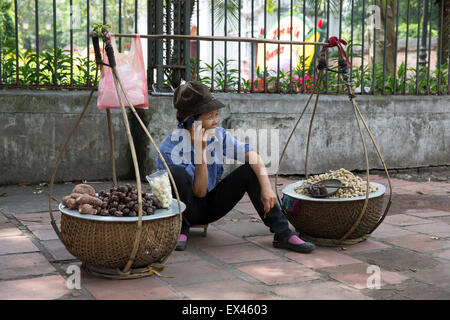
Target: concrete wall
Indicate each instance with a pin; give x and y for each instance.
(410, 132)
(34, 126)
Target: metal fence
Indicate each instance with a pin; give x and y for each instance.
(395, 46)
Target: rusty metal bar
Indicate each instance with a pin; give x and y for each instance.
(217, 38)
(45, 86)
(265, 49)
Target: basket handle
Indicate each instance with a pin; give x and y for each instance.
(136, 170)
(119, 87)
(321, 66)
(317, 87)
(60, 155)
(119, 82)
(358, 113)
(388, 205)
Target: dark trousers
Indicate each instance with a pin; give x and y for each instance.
(220, 200)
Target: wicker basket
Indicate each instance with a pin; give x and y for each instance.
(107, 242)
(320, 218)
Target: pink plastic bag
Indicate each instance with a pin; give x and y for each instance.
(131, 70)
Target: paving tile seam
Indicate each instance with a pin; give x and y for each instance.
(404, 229)
(244, 236)
(43, 250)
(62, 272)
(340, 284)
(427, 284)
(233, 271)
(70, 296)
(35, 240)
(257, 262)
(222, 245)
(18, 253)
(428, 234)
(402, 272)
(431, 253)
(204, 257)
(413, 281)
(411, 225)
(71, 261)
(368, 261)
(219, 263)
(250, 281)
(322, 273)
(397, 292)
(385, 286)
(172, 288)
(390, 246)
(34, 276)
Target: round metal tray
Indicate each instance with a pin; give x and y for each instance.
(159, 214)
(290, 191)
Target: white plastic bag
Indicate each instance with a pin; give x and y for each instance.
(160, 187)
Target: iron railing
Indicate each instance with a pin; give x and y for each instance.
(391, 52)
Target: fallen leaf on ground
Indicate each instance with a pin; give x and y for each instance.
(3, 195)
(419, 192)
(234, 220)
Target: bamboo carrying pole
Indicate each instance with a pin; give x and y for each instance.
(61, 152)
(216, 38)
(119, 83)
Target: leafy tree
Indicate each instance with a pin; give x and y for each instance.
(444, 32)
(7, 32)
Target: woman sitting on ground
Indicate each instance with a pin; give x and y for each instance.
(194, 153)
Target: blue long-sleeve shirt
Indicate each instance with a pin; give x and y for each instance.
(177, 150)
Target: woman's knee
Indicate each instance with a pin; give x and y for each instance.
(247, 171)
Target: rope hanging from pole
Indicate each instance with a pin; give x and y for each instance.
(343, 65)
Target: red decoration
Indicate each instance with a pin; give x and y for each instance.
(336, 42)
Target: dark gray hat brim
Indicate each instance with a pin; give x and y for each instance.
(209, 106)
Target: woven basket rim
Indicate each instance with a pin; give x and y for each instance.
(289, 190)
(159, 214)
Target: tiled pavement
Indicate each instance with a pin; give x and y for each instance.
(236, 260)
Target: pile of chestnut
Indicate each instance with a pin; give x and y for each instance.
(122, 201)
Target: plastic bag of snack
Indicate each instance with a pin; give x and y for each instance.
(160, 187)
